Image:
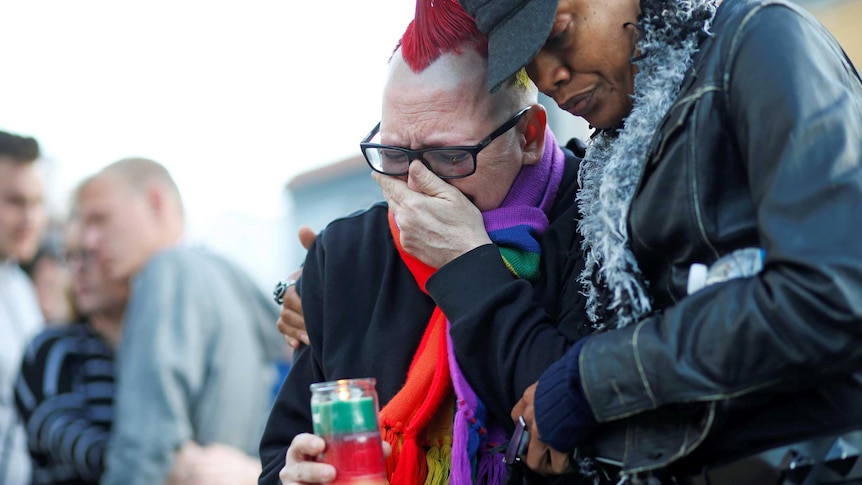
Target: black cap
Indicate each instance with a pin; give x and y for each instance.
(516, 30)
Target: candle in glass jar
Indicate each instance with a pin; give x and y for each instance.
(344, 413)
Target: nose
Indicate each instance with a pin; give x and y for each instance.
(548, 72)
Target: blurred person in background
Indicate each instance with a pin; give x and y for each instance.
(197, 353)
(65, 391)
(22, 219)
(50, 276)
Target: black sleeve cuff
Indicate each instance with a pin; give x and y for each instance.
(458, 285)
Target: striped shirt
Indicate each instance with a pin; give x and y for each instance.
(64, 396)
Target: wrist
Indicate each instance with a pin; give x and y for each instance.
(563, 414)
(477, 241)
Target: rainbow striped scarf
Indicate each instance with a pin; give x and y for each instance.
(464, 453)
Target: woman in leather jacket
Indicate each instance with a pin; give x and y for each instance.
(718, 226)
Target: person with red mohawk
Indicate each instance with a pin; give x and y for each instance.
(371, 309)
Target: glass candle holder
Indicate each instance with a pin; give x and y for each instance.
(344, 413)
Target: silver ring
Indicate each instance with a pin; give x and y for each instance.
(281, 288)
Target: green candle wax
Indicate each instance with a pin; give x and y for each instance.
(355, 415)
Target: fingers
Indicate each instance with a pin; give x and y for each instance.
(306, 236)
(307, 473)
(435, 226)
(393, 189)
(540, 457)
(420, 185)
(536, 450)
(518, 410)
(422, 180)
(304, 447)
(525, 402)
(299, 464)
(543, 459)
(291, 322)
(559, 461)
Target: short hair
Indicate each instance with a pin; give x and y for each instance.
(77, 194)
(22, 149)
(138, 173)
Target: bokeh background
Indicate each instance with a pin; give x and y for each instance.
(247, 103)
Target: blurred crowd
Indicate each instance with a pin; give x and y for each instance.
(656, 305)
(115, 273)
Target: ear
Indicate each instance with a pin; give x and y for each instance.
(533, 134)
(155, 200)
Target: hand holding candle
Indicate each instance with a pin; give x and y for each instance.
(300, 462)
(344, 413)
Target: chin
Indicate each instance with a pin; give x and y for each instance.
(605, 123)
(25, 255)
(609, 117)
(86, 309)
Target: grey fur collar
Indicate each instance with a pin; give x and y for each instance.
(671, 31)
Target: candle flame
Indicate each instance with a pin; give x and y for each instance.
(343, 390)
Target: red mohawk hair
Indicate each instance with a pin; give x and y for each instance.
(440, 27)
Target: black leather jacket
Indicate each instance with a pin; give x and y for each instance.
(762, 148)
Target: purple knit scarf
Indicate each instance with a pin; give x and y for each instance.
(519, 222)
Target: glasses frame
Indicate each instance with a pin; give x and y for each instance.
(78, 257)
(473, 150)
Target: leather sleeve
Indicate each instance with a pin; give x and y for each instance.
(795, 106)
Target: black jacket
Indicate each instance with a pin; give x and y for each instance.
(365, 316)
(762, 148)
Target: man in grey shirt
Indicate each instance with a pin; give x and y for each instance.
(196, 359)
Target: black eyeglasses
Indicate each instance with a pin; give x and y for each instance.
(446, 162)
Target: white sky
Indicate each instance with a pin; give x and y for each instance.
(235, 98)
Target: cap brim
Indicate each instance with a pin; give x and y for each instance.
(514, 43)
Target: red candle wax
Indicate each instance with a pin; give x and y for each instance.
(344, 413)
(357, 458)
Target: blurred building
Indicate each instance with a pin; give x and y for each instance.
(321, 195)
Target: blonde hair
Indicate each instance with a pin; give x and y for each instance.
(522, 80)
